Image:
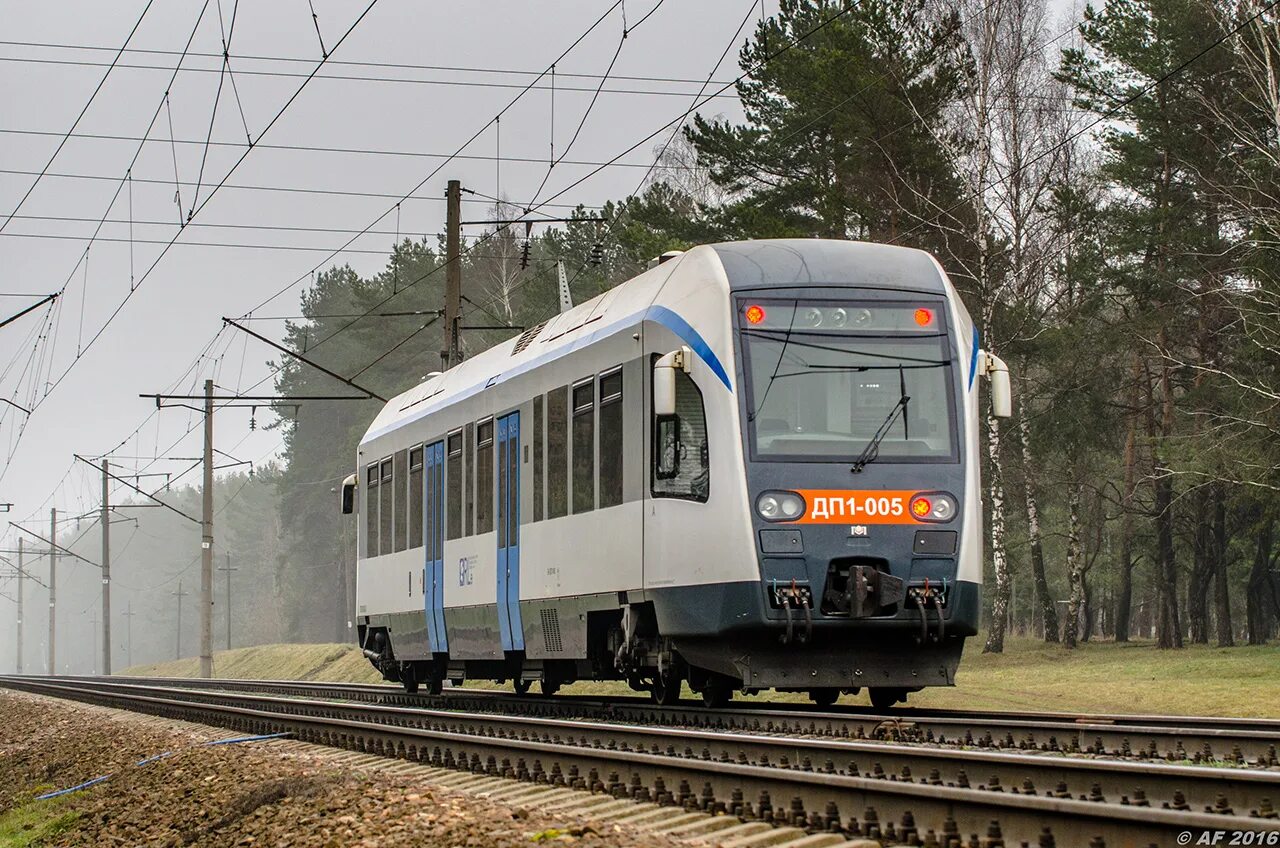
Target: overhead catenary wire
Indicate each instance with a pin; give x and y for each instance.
(333, 62)
(549, 86)
(93, 96)
(208, 197)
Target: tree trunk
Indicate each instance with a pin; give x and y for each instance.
(1124, 591)
(1259, 612)
(1169, 623)
(1221, 591)
(1201, 572)
(999, 557)
(1075, 570)
(1046, 612)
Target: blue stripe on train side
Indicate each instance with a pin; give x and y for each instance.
(973, 357)
(658, 314)
(681, 328)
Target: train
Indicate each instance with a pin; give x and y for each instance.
(753, 466)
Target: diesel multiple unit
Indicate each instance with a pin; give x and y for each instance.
(753, 466)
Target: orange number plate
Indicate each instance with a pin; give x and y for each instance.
(839, 506)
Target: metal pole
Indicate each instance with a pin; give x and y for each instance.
(179, 595)
(21, 574)
(206, 542)
(53, 588)
(128, 635)
(228, 569)
(453, 273)
(106, 569)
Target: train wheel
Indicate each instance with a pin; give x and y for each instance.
(409, 682)
(884, 698)
(824, 697)
(549, 687)
(521, 686)
(716, 693)
(665, 689)
(435, 686)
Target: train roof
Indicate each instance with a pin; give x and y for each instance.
(769, 263)
(739, 265)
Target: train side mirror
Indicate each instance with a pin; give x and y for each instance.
(349, 495)
(664, 380)
(995, 370)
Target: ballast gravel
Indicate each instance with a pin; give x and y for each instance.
(251, 794)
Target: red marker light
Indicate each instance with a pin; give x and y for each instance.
(924, 317)
(920, 507)
(755, 314)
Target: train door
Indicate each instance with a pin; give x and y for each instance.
(509, 533)
(433, 544)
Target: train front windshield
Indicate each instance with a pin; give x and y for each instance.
(828, 379)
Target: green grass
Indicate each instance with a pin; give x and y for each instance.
(35, 823)
(1096, 677)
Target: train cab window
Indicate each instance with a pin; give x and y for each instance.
(558, 452)
(538, 493)
(371, 511)
(484, 476)
(453, 497)
(415, 497)
(584, 447)
(400, 466)
(611, 445)
(469, 483)
(681, 464)
(386, 505)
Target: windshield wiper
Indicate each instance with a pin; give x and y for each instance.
(872, 450)
(786, 340)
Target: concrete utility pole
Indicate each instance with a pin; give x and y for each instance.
(228, 569)
(206, 542)
(179, 595)
(106, 569)
(453, 274)
(21, 574)
(53, 588)
(128, 634)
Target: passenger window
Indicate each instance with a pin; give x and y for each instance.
(611, 439)
(453, 500)
(537, 459)
(371, 511)
(681, 465)
(401, 460)
(584, 447)
(386, 503)
(415, 498)
(558, 452)
(484, 476)
(469, 440)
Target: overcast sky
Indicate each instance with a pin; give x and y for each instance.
(162, 330)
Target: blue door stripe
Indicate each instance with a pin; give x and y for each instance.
(504, 619)
(438, 576)
(513, 533)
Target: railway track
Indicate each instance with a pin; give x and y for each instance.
(1148, 738)
(819, 782)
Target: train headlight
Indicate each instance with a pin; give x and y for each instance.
(933, 506)
(780, 506)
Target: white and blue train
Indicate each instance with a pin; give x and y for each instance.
(753, 466)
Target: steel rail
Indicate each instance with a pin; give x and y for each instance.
(1146, 738)
(489, 746)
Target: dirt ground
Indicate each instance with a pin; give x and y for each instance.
(244, 794)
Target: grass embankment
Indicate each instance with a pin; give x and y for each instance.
(337, 663)
(34, 823)
(1096, 677)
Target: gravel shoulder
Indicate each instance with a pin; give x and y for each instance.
(256, 793)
